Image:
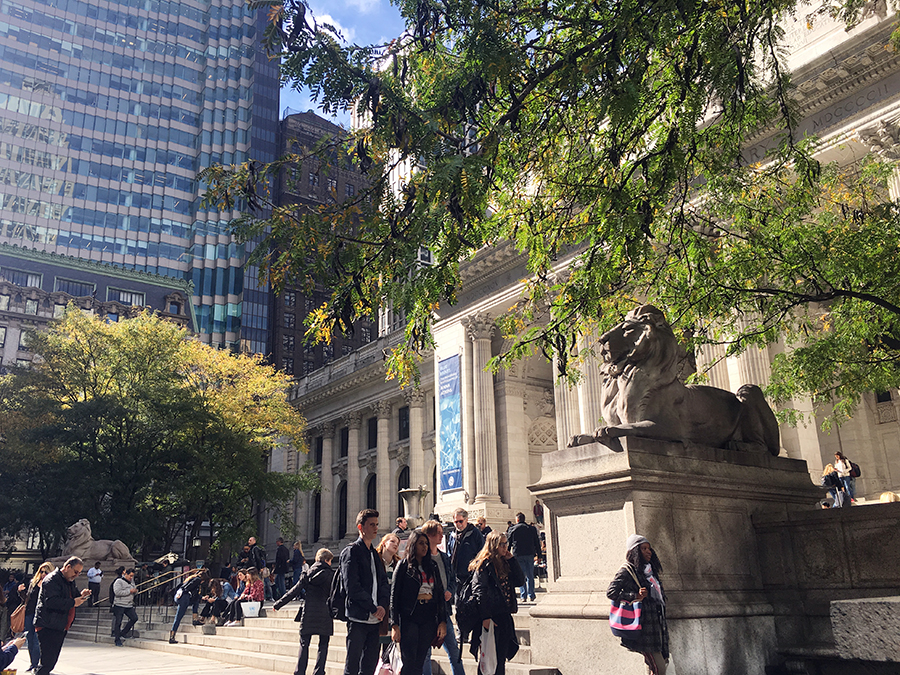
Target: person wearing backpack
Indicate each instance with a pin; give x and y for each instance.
(314, 585)
(367, 596)
(847, 471)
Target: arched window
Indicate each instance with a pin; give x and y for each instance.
(402, 484)
(372, 492)
(342, 510)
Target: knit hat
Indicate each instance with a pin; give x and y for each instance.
(634, 540)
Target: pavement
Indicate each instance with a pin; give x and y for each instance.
(87, 658)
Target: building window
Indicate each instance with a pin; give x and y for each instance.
(287, 343)
(4, 302)
(313, 179)
(23, 363)
(287, 365)
(373, 432)
(2, 336)
(289, 320)
(308, 367)
(883, 396)
(366, 334)
(23, 341)
(174, 308)
(125, 297)
(31, 307)
(21, 277)
(78, 289)
(371, 492)
(332, 184)
(290, 299)
(317, 453)
(404, 423)
(112, 318)
(308, 304)
(350, 189)
(58, 311)
(345, 441)
(328, 352)
(346, 349)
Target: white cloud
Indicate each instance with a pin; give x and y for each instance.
(349, 34)
(364, 6)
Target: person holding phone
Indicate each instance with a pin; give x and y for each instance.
(55, 611)
(8, 653)
(652, 640)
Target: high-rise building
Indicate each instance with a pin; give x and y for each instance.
(311, 185)
(107, 112)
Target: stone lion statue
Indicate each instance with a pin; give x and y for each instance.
(643, 394)
(79, 542)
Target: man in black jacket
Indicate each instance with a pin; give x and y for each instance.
(55, 611)
(464, 545)
(525, 545)
(282, 558)
(368, 596)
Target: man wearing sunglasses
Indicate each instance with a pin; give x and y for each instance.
(465, 543)
(55, 611)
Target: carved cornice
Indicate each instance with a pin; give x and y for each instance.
(339, 468)
(400, 452)
(369, 462)
(882, 138)
(479, 326)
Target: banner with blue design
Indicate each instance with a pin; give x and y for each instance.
(450, 426)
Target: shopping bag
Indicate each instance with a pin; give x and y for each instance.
(395, 659)
(250, 609)
(487, 656)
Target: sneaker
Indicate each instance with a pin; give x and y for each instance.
(119, 643)
(232, 624)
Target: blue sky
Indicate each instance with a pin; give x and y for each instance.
(360, 22)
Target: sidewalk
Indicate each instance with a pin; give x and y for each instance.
(85, 658)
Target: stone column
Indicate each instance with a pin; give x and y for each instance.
(468, 414)
(354, 488)
(568, 417)
(383, 491)
(326, 525)
(590, 387)
(480, 328)
(753, 366)
(415, 399)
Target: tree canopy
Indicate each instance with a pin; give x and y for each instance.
(604, 141)
(142, 431)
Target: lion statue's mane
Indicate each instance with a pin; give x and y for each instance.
(643, 393)
(80, 543)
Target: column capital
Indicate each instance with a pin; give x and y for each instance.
(328, 429)
(479, 326)
(353, 419)
(383, 409)
(415, 397)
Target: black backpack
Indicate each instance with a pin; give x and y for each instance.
(468, 614)
(337, 598)
(854, 470)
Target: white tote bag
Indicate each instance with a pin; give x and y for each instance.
(250, 609)
(487, 654)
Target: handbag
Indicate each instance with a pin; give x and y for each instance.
(17, 619)
(487, 656)
(625, 617)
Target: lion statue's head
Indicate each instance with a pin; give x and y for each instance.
(78, 536)
(644, 340)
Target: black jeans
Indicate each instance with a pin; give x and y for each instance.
(362, 648)
(51, 644)
(303, 658)
(416, 635)
(118, 613)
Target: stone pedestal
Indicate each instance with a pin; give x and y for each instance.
(695, 505)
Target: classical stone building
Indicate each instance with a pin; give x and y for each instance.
(474, 439)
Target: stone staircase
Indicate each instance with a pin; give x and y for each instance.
(268, 642)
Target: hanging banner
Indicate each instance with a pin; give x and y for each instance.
(450, 428)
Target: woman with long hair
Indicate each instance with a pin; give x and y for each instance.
(30, 598)
(844, 467)
(387, 550)
(495, 576)
(418, 613)
(254, 591)
(185, 596)
(639, 579)
(832, 481)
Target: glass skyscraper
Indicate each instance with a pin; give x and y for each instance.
(108, 109)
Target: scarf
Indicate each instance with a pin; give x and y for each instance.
(655, 588)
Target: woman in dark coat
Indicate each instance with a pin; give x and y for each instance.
(496, 574)
(418, 610)
(314, 585)
(652, 640)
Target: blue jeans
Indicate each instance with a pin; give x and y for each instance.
(451, 646)
(279, 585)
(183, 603)
(34, 646)
(849, 486)
(526, 562)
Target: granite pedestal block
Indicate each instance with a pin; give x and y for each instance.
(867, 629)
(695, 505)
